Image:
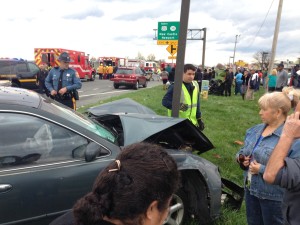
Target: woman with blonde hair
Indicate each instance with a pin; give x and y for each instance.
(263, 200)
(271, 81)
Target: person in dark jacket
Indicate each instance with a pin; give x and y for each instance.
(172, 75)
(228, 82)
(198, 77)
(135, 189)
(41, 77)
(283, 168)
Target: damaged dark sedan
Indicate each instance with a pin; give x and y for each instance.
(50, 156)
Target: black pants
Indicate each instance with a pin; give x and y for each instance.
(68, 101)
(228, 89)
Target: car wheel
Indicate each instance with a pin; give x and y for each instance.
(198, 203)
(178, 209)
(136, 86)
(145, 85)
(116, 86)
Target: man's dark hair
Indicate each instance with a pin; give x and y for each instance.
(145, 173)
(189, 67)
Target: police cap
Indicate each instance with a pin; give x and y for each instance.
(65, 57)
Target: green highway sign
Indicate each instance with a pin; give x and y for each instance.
(168, 31)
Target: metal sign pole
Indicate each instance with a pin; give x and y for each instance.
(184, 16)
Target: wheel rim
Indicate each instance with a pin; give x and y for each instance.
(176, 212)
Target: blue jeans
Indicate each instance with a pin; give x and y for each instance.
(262, 211)
(237, 88)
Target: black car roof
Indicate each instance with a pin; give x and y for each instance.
(19, 96)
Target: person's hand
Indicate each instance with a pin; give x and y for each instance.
(291, 127)
(183, 107)
(254, 167)
(63, 91)
(53, 93)
(200, 124)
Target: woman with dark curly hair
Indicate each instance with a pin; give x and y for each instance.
(135, 189)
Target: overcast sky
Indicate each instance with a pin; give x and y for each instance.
(122, 28)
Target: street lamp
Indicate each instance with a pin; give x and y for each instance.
(236, 37)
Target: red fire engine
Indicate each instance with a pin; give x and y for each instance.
(79, 61)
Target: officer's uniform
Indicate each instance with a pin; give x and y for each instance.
(69, 80)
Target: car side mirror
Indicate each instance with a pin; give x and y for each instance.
(92, 151)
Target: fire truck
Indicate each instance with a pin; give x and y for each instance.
(79, 61)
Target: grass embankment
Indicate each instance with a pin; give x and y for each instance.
(226, 120)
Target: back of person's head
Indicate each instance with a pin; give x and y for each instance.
(275, 100)
(189, 67)
(274, 72)
(293, 94)
(142, 173)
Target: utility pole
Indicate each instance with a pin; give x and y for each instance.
(275, 38)
(233, 65)
(184, 17)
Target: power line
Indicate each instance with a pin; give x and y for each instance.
(261, 24)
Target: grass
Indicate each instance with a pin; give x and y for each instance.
(226, 120)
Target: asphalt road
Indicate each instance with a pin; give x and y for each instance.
(94, 91)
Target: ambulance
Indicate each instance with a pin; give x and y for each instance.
(79, 61)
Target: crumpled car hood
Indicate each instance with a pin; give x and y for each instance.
(134, 122)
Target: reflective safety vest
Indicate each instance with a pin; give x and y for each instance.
(185, 98)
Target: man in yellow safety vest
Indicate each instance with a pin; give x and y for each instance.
(189, 100)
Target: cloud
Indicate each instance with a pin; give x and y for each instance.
(92, 12)
(125, 27)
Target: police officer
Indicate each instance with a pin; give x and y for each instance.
(40, 78)
(62, 81)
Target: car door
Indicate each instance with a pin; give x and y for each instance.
(27, 72)
(42, 168)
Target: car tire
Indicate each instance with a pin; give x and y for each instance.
(136, 86)
(116, 86)
(145, 85)
(178, 208)
(198, 202)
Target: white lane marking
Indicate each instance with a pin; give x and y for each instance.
(103, 93)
